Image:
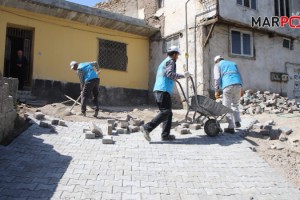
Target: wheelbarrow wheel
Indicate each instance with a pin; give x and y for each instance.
(212, 128)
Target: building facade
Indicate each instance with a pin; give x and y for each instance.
(53, 33)
(206, 28)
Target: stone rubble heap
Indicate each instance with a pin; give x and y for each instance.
(282, 137)
(266, 102)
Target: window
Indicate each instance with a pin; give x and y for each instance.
(241, 43)
(247, 3)
(172, 41)
(112, 55)
(160, 3)
(287, 43)
(282, 8)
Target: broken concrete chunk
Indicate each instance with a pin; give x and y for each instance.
(39, 115)
(89, 135)
(135, 122)
(283, 138)
(44, 125)
(195, 126)
(181, 130)
(96, 129)
(258, 126)
(107, 140)
(286, 130)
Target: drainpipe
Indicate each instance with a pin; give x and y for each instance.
(195, 44)
(187, 47)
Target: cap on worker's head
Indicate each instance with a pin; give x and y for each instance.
(72, 64)
(217, 58)
(173, 49)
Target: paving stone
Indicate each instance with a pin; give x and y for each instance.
(55, 122)
(39, 115)
(124, 124)
(133, 129)
(96, 129)
(121, 131)
(286, 130)
(44, 124)
(89, 135)
(195, 126)
(62, 123)
(107, 140)
(109, 130)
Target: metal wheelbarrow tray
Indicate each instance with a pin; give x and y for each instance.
(205, 109)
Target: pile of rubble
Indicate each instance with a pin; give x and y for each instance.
(282, 137)
(266, 102)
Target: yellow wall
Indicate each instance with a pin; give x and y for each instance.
(58, 41)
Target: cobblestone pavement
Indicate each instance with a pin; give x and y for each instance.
(64, 165)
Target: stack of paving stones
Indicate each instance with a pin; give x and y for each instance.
(8, 113)
(282, 137)
(267, 102)
(125, 126)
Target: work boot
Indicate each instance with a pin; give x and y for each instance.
(237, 125)
(96, 113)
(229, 130)
(146, 133)
(168, 138)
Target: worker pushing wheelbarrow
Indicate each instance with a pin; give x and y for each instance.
(205, 110)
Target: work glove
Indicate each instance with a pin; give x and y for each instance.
(242, 92)
(217, 95)
(187, 74)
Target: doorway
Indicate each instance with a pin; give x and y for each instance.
(18, 39)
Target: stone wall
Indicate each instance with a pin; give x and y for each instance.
(8, 113)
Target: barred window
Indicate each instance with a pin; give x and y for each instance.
(112, 55)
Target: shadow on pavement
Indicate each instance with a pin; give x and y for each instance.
(30, 168)
(223, 140)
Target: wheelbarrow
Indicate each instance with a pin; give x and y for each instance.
(205, 110)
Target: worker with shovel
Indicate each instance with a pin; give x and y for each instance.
(166, 75)
(89, 83)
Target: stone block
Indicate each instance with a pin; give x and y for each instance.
(135, 122)
(107, 140)
(121, 131)
(258, 126)
(124, 124)
(62, 123)
(133, 129)
(44, 124)
(90, 135)
(286, 130)
(109, 130)
(265, 132)
(111, 121)
(39, 115)
(96, 129)
(55, 122)
(181, 130)
(195, 126)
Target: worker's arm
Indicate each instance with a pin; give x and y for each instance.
(170, 71)
(95, 64)
(217, 77)
(81, 77)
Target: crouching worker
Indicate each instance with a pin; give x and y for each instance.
(166, 75)
(228, 78)
(89, 83)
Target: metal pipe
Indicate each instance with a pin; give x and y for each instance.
(187, 46)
